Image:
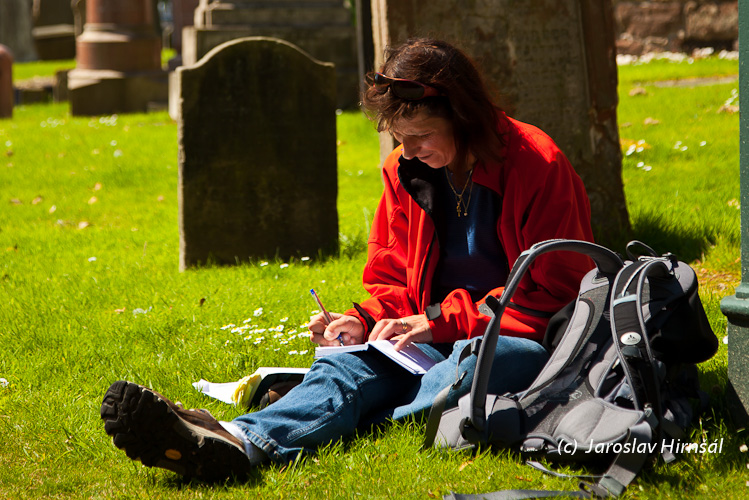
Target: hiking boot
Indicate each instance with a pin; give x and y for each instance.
(159, 433)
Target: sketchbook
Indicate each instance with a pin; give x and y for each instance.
(409, 357)
(248, 391)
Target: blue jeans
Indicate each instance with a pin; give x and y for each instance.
(346, 391)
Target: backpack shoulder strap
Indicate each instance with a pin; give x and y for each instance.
(517, 495)
(627, 463)
(630, 333)
(438, 406)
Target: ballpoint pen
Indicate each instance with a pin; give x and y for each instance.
(328, 317)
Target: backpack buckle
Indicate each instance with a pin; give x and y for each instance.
(469, 432)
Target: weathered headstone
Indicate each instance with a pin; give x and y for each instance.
(118, 61)
(183, 15)
(6, 82)
(79, 15)
(364, 42)
(54, 29)
(556, 62)
(257, 154)
(322, 28)
(15, 29)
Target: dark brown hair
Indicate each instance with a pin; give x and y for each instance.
(464, 100)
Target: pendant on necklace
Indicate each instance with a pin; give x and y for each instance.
(458, 208)
(459, 202)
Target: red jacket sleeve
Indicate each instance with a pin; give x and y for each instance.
(385, 274)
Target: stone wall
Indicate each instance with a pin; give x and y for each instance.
(675, 25)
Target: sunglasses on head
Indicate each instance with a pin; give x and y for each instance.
(405, 89)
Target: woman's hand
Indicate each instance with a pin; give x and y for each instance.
(349, 328)
(403, 330)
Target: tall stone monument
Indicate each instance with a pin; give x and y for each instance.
(6, 82)
(257, 154)
(54, 29)
(554, 61)
(15, 29)
(118, 62)
(322, 28)
(183, 15)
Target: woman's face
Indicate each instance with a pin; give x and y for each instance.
(428, 138)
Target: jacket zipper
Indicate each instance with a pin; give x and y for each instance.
(424, 269)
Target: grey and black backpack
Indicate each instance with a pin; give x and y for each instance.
(620, 381)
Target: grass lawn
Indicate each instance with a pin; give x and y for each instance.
(91, 293)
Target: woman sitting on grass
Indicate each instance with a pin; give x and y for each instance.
(466, 192)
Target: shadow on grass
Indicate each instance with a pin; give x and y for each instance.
(180, 483)
(349, 247)
(653, 230)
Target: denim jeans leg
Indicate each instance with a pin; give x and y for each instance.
(338, 393)
(517, 362)
(342, 391)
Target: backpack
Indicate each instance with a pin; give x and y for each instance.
(619, 382)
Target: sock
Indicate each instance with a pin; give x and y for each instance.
(255, 454)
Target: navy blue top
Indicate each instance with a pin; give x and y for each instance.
(472, 257)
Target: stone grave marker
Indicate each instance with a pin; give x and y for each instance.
(183, 15)
(15, 29)
(118, 59)
(257, 154)
(54, 29)
(322, 28)
(554, 62)
(6, 82)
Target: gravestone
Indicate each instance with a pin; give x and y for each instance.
(555, 63)
(118, 61)
(183, 15)
(364, 42)
(257, 154)
(322, 28)
(15, 29)
(79, 15)
(6, 82)
(54, 29)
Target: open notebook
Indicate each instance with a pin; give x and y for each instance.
(409, 357)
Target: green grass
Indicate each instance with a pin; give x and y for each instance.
(89, 239)
(669, 137)
(25, 71)
(660, 69)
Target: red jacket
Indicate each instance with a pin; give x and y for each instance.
(542, 198)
